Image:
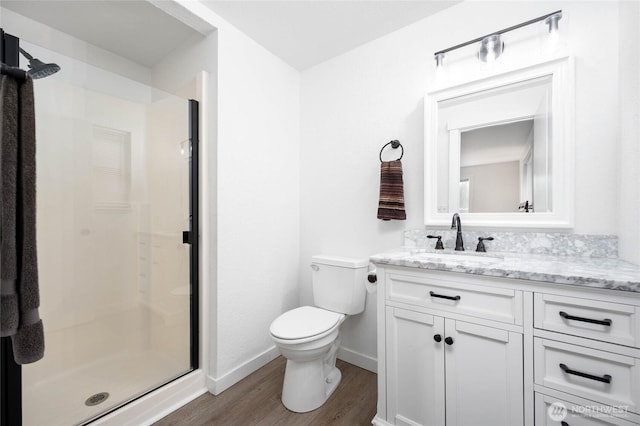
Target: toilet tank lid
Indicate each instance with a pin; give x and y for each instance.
(345, 262)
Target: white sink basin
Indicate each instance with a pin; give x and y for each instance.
(457, 257)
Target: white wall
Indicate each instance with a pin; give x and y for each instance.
(629, 172)
(258, 209)
(255, 215)
(351, 106)
(258, 198)
(354, 103)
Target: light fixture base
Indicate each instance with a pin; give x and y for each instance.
(552, 22)
(491, 47)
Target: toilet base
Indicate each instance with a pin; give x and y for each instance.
(307, 386)
(310, 376)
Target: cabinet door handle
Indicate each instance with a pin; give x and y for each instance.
(604, 379)
(442, 296)
(448, 340)
(437, 338)
(605, 321)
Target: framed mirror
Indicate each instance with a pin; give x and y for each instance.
(499, 151)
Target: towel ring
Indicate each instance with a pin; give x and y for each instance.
(394, 144)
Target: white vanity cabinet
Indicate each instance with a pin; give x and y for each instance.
(481, 366)
(452, 352)
(459, 349)
(587, 357)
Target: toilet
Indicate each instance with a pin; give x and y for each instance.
(308, 337)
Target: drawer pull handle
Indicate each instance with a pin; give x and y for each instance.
(442, 296)
(606, 322)
(604, 379)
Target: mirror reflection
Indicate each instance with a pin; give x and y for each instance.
(494, 149)
(497, 168)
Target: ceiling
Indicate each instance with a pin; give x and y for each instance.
(301, 32)
(307, 32)
(134, 29)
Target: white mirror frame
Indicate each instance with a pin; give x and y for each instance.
(561, 72)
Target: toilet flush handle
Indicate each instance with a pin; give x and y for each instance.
(315, 267)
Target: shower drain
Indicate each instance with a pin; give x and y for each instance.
(96, 399)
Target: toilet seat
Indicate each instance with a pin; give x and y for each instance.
(305, 322)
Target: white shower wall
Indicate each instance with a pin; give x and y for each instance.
(88, 265)
(96, 260)
(112, 166)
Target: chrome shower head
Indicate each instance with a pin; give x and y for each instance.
(37, 68)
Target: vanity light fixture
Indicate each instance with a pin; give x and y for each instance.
(491, 45)
(552, 21)
(490, 48)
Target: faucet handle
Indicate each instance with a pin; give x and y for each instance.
(480, 248)
(439, 245)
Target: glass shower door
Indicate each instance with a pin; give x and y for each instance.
(113, 200)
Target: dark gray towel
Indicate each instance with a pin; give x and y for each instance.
(9, 168)
(9, 311)
(9, 176)
(19, 221)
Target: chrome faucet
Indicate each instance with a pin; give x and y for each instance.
(455, 223)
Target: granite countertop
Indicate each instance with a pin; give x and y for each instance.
(606, 273)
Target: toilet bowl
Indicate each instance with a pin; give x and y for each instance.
(309, 336)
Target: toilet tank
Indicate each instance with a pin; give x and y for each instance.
(339, 283)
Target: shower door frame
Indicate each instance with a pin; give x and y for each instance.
(11, 372)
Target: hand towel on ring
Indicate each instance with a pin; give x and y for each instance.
(391, 202)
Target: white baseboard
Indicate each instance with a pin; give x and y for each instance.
(157, 404)
(218, 385)
(358, 359)
(378, 421)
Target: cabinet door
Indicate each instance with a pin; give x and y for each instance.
(484, 376)
(415, 373)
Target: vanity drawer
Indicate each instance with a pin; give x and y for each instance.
(608, 378)
(447, 294)
(556, 412)
(593, 319)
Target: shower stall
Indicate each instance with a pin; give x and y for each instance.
(117, 227)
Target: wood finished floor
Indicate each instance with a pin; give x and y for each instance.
(256, 401)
